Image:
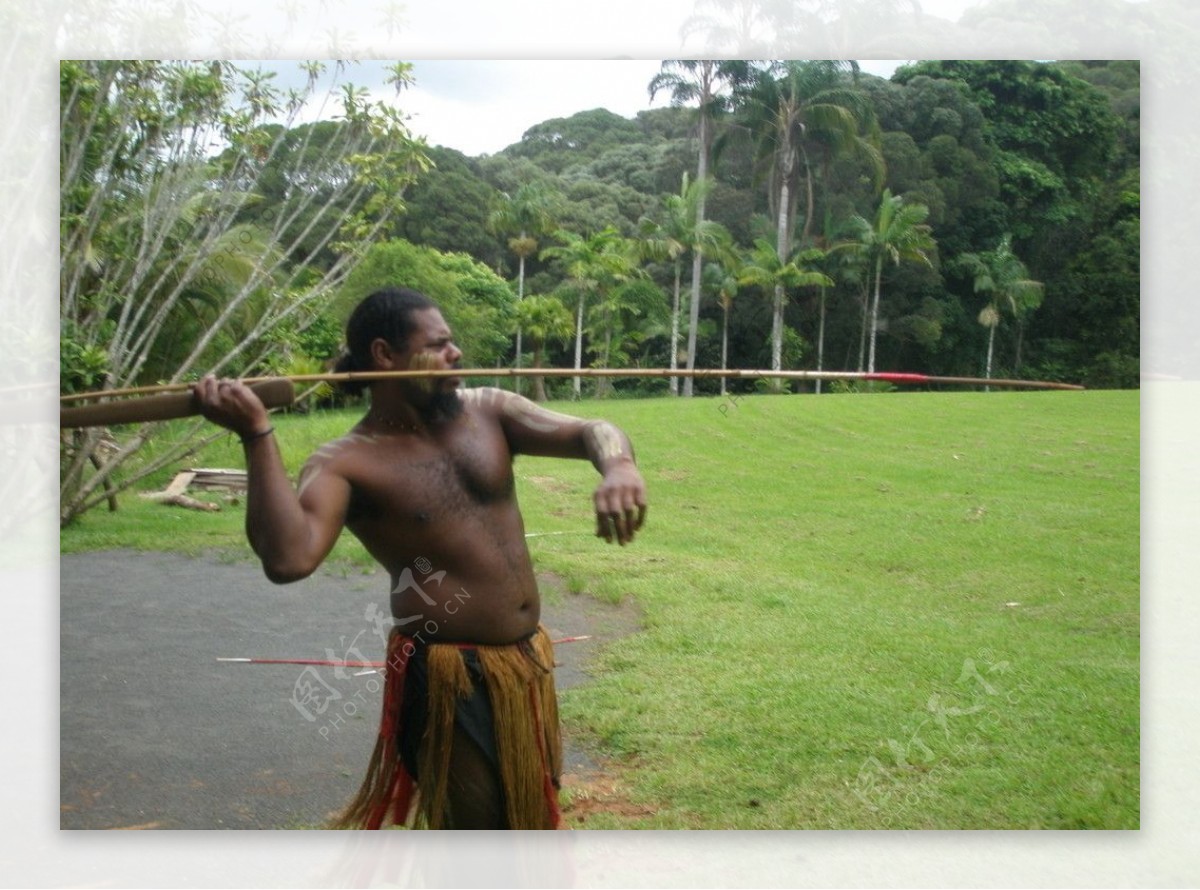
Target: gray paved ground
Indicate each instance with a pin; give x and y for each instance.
(156, 733)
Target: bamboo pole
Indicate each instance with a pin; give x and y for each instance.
(899, 378)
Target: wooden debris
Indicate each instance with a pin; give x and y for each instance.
(176, 495)
(228, 480)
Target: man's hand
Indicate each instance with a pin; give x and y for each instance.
(620, 503)
(231, 404)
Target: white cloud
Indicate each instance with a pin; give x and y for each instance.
(480, 107)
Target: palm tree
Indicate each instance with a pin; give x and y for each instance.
(667, 238)
(703, 81)
(709, 238)
(820, 255)
(676, 231)
(850, 266)
(724, 279)
(527, 214)
(844, 265)
(1005, 279)
(794, 109)
(898, 233)
(764, 268)
(543, 319)
(591, 264)
(615, 321)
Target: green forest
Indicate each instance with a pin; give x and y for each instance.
(992, 209)
(970, 218)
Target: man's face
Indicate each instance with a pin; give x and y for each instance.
(431, 348)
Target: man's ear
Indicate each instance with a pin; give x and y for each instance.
(383, 357)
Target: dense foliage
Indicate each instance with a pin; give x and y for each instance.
(1040, 157)
(198, 234)
(962, 218)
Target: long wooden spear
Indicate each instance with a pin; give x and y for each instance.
(172, 400)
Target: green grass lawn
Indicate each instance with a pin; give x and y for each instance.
(901, 610)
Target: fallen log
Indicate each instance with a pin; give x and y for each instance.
(176, 495)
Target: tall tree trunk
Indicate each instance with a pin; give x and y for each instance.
(777, 336)
(539, 382)
(988, 367)
(781, 223)
(781, 249)
(675, 330)
(865, 303)
(520, 296)
(875, 314)
(578, 346)
(697, 253)
(603, 384)
(693, 320)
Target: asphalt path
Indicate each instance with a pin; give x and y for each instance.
(156, 733)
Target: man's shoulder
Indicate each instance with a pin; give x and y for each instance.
(484, 396)
(345, 445)
(489, 401)
(339, 458)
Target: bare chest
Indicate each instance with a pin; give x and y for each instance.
(420, 482)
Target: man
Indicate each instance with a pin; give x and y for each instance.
(425, 481)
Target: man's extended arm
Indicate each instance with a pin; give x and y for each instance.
(620, 499)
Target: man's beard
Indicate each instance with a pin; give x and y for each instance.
(442, 406)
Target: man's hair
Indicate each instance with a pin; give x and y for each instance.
(387, 313)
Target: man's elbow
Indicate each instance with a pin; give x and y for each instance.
(287, 571)
(283, 561)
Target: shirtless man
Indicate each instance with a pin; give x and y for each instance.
(426, 479)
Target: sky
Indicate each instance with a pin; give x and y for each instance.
(482, 106)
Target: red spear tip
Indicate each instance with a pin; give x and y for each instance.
(898, 377)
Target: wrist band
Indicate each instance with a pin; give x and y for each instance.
(246, 440)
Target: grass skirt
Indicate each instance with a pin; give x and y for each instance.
(520, 685)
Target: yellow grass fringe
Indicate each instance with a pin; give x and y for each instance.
(448, 682)
(520, 684)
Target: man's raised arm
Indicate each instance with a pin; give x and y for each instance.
(290, 534)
